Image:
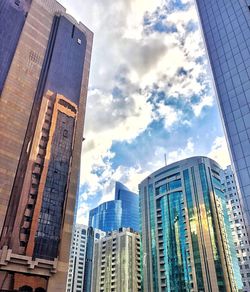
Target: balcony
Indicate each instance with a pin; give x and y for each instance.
(40, 160)
(34, 180)
(43, 144)
(46, 126)
(41, 152)
(33, 192)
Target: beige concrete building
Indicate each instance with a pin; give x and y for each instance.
(44, 68)
(116, 262)
(237, 224)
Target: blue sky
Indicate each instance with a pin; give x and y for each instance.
(150, 94)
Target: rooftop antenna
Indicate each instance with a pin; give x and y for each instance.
(165, 158)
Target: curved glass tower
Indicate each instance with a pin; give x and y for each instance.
(187, 243)
(121, 212)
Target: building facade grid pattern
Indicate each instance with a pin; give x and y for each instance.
(226, 28)
(77, 260)
(237, 225)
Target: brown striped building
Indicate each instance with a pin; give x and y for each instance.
(44, 68)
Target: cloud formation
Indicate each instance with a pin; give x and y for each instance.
(149, 91)
(219, 152)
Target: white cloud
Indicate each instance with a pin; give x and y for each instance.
(131, 176)
(206, 100)
(219, 152)
(83, 213)
(169, 115)
(181, 153)
(127, 63)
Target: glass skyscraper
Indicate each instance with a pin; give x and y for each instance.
(187, 243)
(118, 213)
(226, 28)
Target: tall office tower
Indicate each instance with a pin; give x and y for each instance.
(226, 27)
(121, 212)
(44, 67)
(92, 236)
(237, 225)
(187, 242)
(116, 263)
(78, 256)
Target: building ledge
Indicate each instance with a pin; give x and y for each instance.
(10, 261)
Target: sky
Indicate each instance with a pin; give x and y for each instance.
(150, 94)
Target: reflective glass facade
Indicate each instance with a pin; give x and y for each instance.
(121, 212)
(226, 28)
(12, 19)
(187, 243)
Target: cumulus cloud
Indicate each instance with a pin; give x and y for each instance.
(169, 115)
(148, 65)
(83, 213)
(181, 153)
(206, 100)
(219, 152)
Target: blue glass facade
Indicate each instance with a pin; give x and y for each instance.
(226, 28)
(65, 71)
(12, 19)
(89, 260)
(121, 212)
(187, 243)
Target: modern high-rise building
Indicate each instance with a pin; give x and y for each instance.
(226, 28)
(187, 242)
(44, 67)
(237, 224)
(78, 256)
(118, 213)
(92, 236)
(116, 263)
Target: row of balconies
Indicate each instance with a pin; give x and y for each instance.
(35, 180)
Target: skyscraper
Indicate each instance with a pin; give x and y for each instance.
(79, 257)
(121, 212)
(92, 236)
(187, 242)
(44, 67)
(116, 263)
(237, 224)
(226, 28)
